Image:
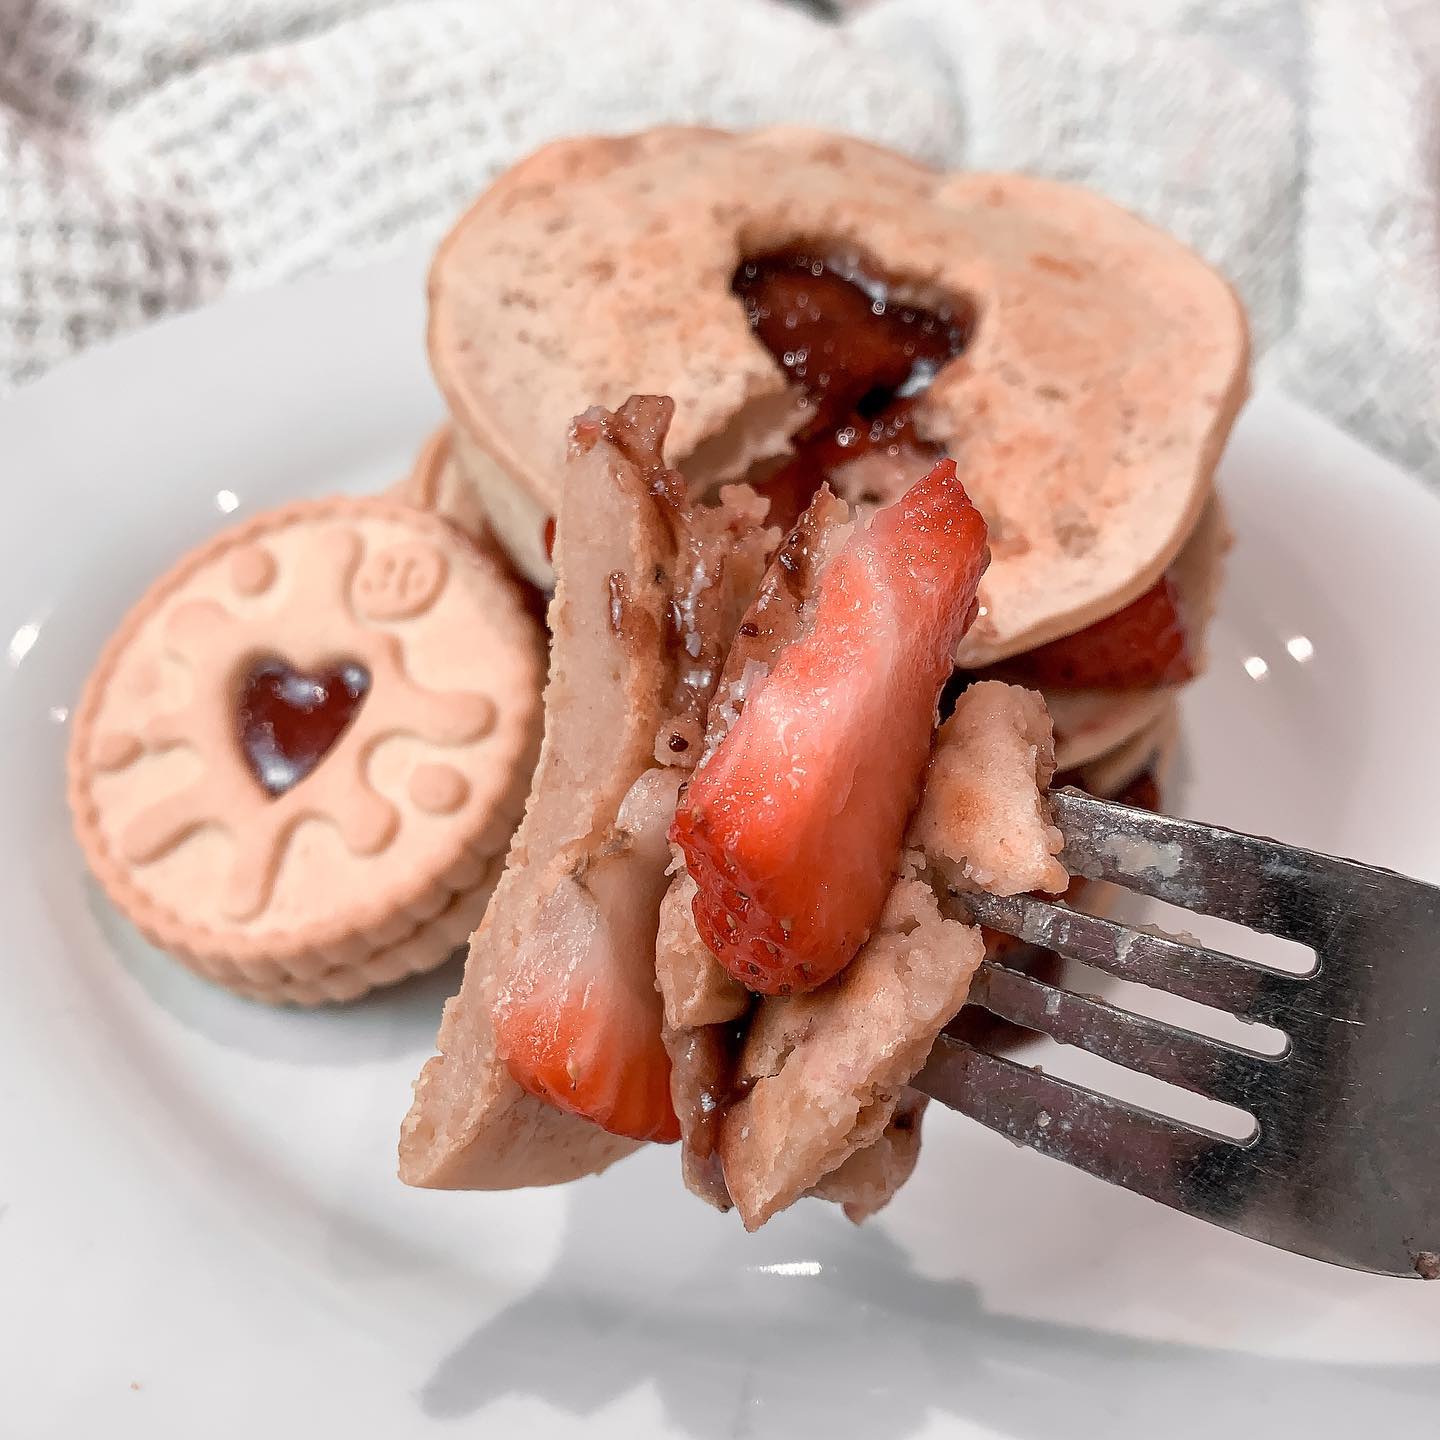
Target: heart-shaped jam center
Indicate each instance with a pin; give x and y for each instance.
(290, 719)
(860, 356)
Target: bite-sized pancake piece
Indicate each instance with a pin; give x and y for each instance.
(1100, 367)
(868, 1180)
(723, 550)
(1136, 773)
(472, 1126)
(983, 819)
(696, 988)
(702, 1077)
(781, 609)
(822, 1073)
(705, 1014)
(705, 1009)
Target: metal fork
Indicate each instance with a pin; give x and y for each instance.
(1344, 1161)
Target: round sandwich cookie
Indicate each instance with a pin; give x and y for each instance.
(436, 486)
(300, 759)
(820, 307)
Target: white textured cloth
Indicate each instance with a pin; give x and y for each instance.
(155, 153)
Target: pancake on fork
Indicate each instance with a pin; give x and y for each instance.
(823, 313)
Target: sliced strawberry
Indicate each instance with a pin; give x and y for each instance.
(792, 828)
(592, 1052)
(1144, 644)
(577, 1016)
(585, 1034)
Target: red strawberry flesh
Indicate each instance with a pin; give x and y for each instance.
(1140, 646)
(578, 1019)
(792, 828)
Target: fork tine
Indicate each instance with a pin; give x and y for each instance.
(1209, 977)
(1263, 1188)
(1152, 1047)
(1342, 1164)
(1123, 1144)
(1259, 883)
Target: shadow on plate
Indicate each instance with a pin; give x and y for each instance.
(851, 1340)
(397, 1020)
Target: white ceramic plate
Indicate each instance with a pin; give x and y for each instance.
(200, 1232)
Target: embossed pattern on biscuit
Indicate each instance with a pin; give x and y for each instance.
(405, 796)
(216, 647)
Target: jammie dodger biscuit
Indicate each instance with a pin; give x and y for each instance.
(299, 761)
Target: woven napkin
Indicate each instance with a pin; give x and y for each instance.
(156, 153)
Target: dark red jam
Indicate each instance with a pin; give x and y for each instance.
(859, 357)
(288, 720)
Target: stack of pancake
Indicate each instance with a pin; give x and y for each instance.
(1094, 367)
(824, 311)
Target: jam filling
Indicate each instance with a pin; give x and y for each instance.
(288, 720)
(859, 357)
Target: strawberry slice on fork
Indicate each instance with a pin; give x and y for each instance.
(792, 827)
